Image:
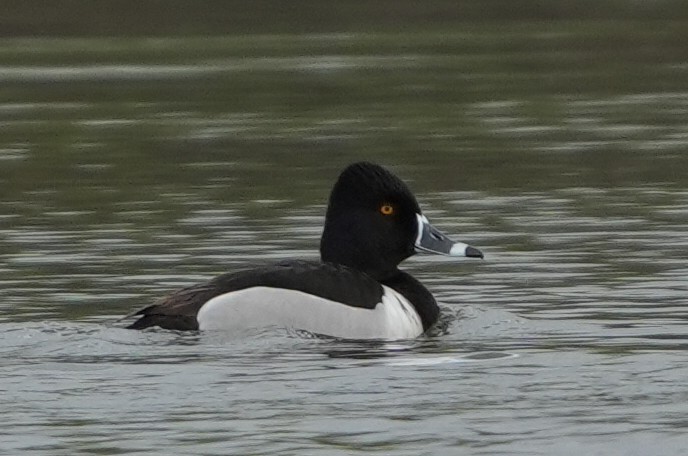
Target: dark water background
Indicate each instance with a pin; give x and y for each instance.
(144, 147)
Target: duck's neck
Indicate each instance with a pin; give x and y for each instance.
(378, 270)
(344, 242)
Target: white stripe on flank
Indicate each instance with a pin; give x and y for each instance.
(262, 307)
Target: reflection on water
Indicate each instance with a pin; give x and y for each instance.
(139, 167)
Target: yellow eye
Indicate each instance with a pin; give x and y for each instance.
(387, 209)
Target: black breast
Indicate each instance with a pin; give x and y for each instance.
(419, 296)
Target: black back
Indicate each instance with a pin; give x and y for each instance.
(329, 281)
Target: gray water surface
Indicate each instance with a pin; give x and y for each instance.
(133, 167)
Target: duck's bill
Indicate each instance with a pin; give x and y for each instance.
(432, 240)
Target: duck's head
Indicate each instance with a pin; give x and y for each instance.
(373, 223)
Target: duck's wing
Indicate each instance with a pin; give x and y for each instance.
(177, 310)
(337, 283)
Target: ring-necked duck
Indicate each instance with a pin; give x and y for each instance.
(373, 223)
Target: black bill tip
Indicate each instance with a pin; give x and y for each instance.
(472, 252)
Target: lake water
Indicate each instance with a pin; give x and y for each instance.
(132, 167)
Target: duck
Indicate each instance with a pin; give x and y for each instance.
(356, 290)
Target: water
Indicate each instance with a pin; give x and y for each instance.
(132, 167)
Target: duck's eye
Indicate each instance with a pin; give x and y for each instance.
(387, 209)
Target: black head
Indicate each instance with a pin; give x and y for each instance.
(373, 223)
(371, 220)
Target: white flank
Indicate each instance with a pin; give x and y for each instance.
(263, 307)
